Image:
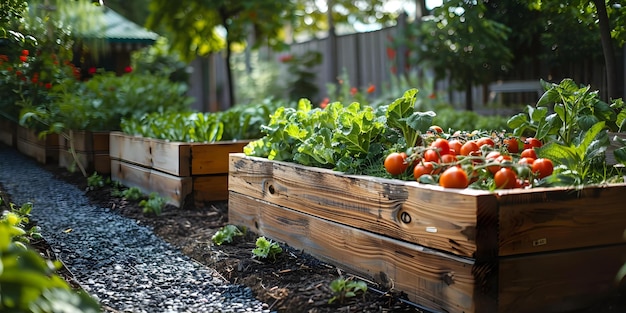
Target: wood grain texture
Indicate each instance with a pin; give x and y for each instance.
(213, 158)
(559, 281)
(44, 150)
(168, 157)
(8, 132)
(92, 149)
(175, 189)
(557, 218)
(424, 215)
(209, 188)
(437, 280)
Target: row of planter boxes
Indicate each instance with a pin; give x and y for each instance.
(177, 171)
(539, 250)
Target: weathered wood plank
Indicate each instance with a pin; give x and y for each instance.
(174, 188)
(209, 188)
(8, 132)
(550, 219)
(44, 150)
(92, 150)
(425, 215)
(559, 281)
(212, 158)
(438, 280)
(168, 157)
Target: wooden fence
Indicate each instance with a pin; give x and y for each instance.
(364, 58)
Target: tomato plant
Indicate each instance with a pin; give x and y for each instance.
(512, 144)
(442, 146)
(470, 148)
(455, 146)
(431, 155)
(454, 177)
(530, 143)
(395, 163)
(423, 168)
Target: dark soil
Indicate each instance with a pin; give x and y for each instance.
(294, 282)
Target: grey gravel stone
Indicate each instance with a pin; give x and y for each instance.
(122, 264)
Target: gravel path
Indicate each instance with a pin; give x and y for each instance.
(121, 263)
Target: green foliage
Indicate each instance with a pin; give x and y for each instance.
(266, 249)
(158, 60)
(95, 181)
(450, 118)
(302, 69)
(28, 282)
(257, 77)
(345, 138)
(237, 123)
(344, 289)
(461, 42)
(226, 234)
(154, 204)
(132, 193)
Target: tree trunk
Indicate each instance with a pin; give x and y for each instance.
(607, 48)
(229, 77)
(333, 72)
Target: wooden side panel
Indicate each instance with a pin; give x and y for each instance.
(8, 132)
(434, 279)
(424, 215)
(171, 157)
(213, 158)
(555, 219)
(130, 149)
(172, 187)
(42, 150)
(559, 281)
(168, 157)
(210, 188)
(92, 150)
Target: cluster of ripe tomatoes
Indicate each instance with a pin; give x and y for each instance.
(456, 161)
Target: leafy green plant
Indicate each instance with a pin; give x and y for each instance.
(132, 193)
(95, 181)
(266, 249)
(226, 234)
(153, 205)
(344, 289)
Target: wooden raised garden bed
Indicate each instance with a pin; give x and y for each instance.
(175, 170)
(92, 150)
(44, 150)
(8, 132)
(452, 250)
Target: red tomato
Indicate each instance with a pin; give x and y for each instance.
(470, 148)
(395, 163)
(542, 167)
(526, 160)
(455, 145)
(448, 158)
(436, 129)
(431, 155)
(454, 177)
(532, 143)
(512, 144)
(485, 141)
(529, 153)
(441, 145)
(424, 168)
(505, 178)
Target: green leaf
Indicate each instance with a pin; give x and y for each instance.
(550, 125)
(517, 120)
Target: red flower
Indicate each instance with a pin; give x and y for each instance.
(34, 79)
(285, 58)
(391, 53)
(371, 88)
(128, 69)
(92, 70)
(4, 57)
(324, 103)
(23, 58)
(432, 96)
(353, 91)
(48, 85)
(18, 73)
(25, 52)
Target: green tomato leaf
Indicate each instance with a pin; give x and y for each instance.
(517, 120)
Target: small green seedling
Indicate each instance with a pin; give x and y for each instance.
(266, 249)
(153, 205)
(226, 234)
(132, 193)
(95, 181)
(346, 288)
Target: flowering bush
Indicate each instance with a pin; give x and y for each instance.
(28, 75)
